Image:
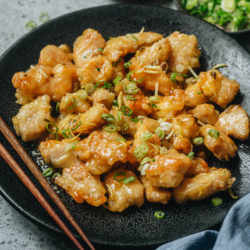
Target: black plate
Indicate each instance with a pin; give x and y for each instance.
(133, 227)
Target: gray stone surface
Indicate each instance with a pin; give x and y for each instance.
(16, 232)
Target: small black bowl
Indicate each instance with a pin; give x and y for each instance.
(181, 8)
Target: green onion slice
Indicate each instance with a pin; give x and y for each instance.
(105, 86)
(57, 106)
(77, 125)
(154, 99)
(129, 77)
(173, 76)
(98, 69)
(121, 139)
(141, 151)
(127, 64)
(117, 80)
(129, 179)
(64, 133)
(126, 110)
(120, 173)
(152, 105)
(134, 119)
(43, 17)
(146, 160)
(146, 136)
(47, 172)
(55, 175)
(108, 117)
(132, 37)
(111, 128)
(216, 201)
(100, 49)
(119, 115)
(70, 146)
(115, 103)
(163, 151)
(90, 88)
(191, 155)
(114, 64)
(199, 93)
(54, 125)
(160, 132)
(82, 94)
(214, 133)
(128, 97)
(159, 215)
(125, 127)
(74, 100)
(198, 141)
(30, 25)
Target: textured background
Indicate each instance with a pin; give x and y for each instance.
(16, 232)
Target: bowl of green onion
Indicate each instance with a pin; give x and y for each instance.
(233, 16)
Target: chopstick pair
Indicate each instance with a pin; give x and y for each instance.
(32, 188)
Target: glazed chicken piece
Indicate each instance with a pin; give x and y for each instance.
(234, 121)
(205, 113)
(40, 80)
(194, 95)
(95, 69)
(58, 153)
(182, 145)
(30, 122)
(121, 195)
(198, 166)
(82, 185)
(170, 105)
(124, 120)
(222, 147)
(218, 88)
(184, 52)
(155, 194)
(103, 96)
(203, 185)
(168, 170)
(79, 106)
(86, 46)
(100, 154)
(24, 98)
(120, 46)
(52, 55)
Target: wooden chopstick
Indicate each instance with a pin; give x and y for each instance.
(32, 188)
(37, 173)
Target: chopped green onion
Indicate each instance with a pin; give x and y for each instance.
(153, 160)
(146, 136)
(114, 64)
(90, 88)
(216, 201)
(129, 77)
(214, 133)
(54, 125)
(127, 64)
(141, 121)
(228, 5)
(111, 128)
(173, 76)
(131, 88)
(154, 99)
(105, 86)
(152, 105)
(55, 175)
(159, 215)
(199, 93)
(121, 139)
(57, 106)
(100, 49)
(142, 117)
(82, 94)
(160, 132)
(191, 155)
(98, 69)
(128, 97)
(146, 160)
(126, 110)
(64, 133)
(30, 25)
(132, 37)
(198, 141)
(119, 115)
(120, 173)
(160, 121)
(66, 105)
(115, 103)
(47, 172)
(134, 119)
(108, 117)
(70, 146)
(43, 17)
(77, 125)
(163, 151)
(141, 151)
(220, 65)
(129, 179)
(117, 80)
(125, 127)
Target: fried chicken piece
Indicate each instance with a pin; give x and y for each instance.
(121, 195)
(95, 69)
(170, 105)
(51, 55)
(218, 88)
(168, 170)
(234, 121)
(103, 96)
(205, 113)
(184, 52)
(120, 46)
(198, 166)
(24, 98)
(90, 41)
(155, 194)
(81, 106)
(57, 153)
(222, 147)
(30, 122)
(194, 95)
(100, 154)
(182, 145)
(203, 185)
(82, 185)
